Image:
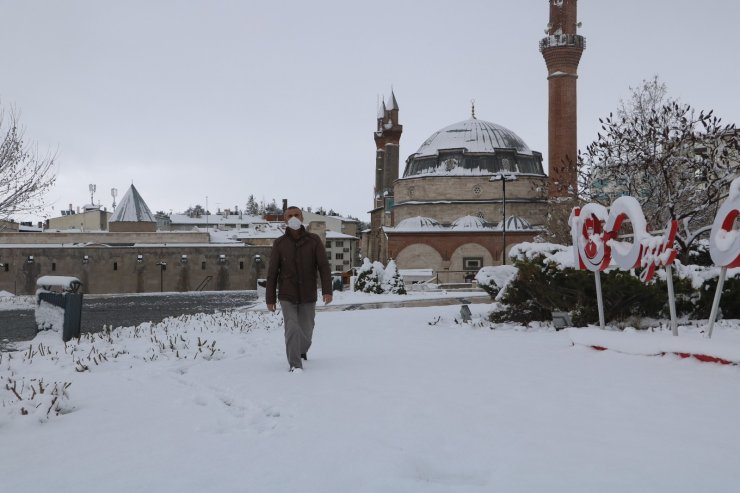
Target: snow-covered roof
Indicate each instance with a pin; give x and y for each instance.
(515, 223)
(473, 135)
(418, 223)
(132, 208)
(217, 219)
(468, 223)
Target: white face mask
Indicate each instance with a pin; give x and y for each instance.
(294, 223)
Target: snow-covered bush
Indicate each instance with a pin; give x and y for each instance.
(545, 283)
(367, 279)
(494, 279)
(392, 280)
(372, 277)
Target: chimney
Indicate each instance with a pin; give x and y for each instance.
(285, 205)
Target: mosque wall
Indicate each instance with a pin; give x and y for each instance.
(136, 269)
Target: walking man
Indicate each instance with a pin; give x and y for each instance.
(295, 259)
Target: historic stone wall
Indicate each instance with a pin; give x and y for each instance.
(135, 269)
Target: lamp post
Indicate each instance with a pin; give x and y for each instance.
(503, 177)
(162, 266)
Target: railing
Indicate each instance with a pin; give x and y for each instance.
(455, 276)
(203, 283)
(555, 40)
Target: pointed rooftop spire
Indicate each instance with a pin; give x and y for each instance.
(392, 103)
(381, 109)
(132, 208)
(472, 109)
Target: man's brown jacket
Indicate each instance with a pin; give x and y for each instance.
(293, 267)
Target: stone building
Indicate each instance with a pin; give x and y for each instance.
(131, 258)
(90, 218)
(447, 211)
(474, 188)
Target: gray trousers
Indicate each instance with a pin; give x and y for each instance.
(299, 322)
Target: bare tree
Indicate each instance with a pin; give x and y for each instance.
(25, 176)
(676, 162)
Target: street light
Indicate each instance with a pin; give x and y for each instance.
(162, 267)
(503, 177)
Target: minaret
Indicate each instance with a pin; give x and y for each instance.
(562, 49)
(387, 139)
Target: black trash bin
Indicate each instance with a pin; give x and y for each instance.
(60, 292)
(336, 283)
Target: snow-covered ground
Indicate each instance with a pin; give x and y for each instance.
(391, 400)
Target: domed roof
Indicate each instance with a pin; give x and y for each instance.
(468, 223)
(515, 223)
(473, 135)
(418, 223)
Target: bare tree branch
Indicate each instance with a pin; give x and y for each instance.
(25, 175)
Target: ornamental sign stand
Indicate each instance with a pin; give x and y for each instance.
(724, 244)
(595, 234)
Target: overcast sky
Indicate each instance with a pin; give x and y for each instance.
(224, 99)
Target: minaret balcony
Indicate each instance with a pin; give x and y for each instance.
(559, 40)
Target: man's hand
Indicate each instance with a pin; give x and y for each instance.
(271, 307)
(327, 299)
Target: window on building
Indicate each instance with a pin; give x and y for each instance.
(328, 243)
(241, 265)
(53, 266)
(328, 255)
(338, 267)
(339, 243)
(115, 265)
(6, 267)
(203, 265)
(472, 263)
(339, 256)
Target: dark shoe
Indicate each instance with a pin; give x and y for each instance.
(304, 357)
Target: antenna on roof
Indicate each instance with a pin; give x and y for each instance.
(92, 188)
(472, 108)
(114, 192)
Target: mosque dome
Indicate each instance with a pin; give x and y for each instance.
(473, 147)
(418, 223)
(468, 223)
(515, 223)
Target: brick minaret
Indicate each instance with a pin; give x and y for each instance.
(562, 49)
(387, 139)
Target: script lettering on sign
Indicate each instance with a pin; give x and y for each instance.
(724, 239)
(596, 239)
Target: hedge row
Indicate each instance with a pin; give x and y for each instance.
(541, 288)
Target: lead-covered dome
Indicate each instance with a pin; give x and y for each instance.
(473, 147)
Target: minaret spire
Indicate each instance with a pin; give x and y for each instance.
(562, 49)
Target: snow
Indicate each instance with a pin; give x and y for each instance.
(559, 254)
(475, 136)
(500, 276)
(515, 223)
(690, 341)
(395, 400)
(8, 301)
(64, 282)
(49, 317)
(416, 224)
(468, 223)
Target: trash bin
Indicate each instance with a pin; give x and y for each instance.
(261, 288)
(59, 305)
(336, 283)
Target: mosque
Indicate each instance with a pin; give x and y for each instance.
(475, 188)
